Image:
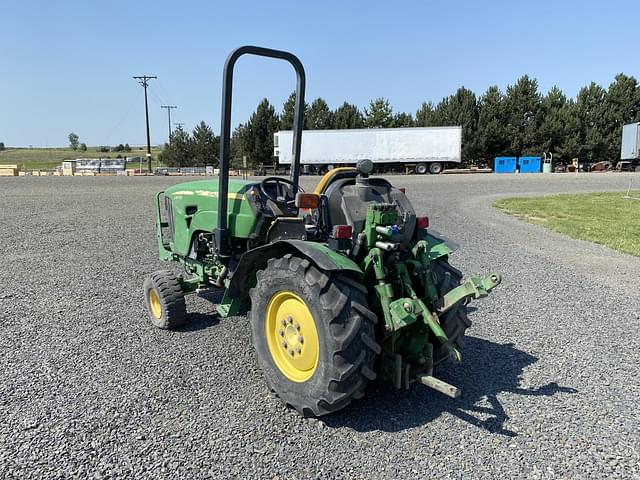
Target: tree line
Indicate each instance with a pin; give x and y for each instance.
(198, 148)
(74, 144)
(519, 121)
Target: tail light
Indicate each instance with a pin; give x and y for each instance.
(307, 200)
(422, 222)
(342, 231)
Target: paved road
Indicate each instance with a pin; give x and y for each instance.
(88, 389)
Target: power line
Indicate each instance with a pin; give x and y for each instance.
(160, 86)
(155, 95)
(169, 108)
(144, 81)
(119, 123)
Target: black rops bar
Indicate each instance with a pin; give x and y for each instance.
(221, 233)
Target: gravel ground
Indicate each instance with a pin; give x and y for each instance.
(89, 389)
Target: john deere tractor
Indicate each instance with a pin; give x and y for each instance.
(345, 284)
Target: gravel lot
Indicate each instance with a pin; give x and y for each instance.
(89, 389)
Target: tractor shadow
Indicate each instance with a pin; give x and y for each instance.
(199, 319)
(488, 370)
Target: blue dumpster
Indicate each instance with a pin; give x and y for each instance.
(505, 165)
(530, 164)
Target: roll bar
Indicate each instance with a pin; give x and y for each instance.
(221, 232)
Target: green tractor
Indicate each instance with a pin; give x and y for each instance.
(345, 284)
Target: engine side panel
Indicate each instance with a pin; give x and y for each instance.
(195, 209)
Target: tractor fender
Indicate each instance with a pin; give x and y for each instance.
(439, 245)
(320, 255)
(437, 237)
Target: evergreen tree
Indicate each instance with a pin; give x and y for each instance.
(348, 116)
(257, 135)
(288, 111)
(492, 136)
(236, 147)
(441, 113)
(572, 140)
(379, 114)
(623, 106)
(403, 120)
(205, 145)
(319, 116)
(590, 113)
(463, 110)
(552, 128)
(523, 104)
(460, 109)
(180, 152)
(426, 115)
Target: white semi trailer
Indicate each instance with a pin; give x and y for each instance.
(421, 150)
(630, 148)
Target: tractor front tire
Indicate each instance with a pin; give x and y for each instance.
(454, 322)
(165, 300)
(314, 335)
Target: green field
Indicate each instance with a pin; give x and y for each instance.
(604, 218)
(49, 158)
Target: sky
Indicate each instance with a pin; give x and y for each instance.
(68, 65)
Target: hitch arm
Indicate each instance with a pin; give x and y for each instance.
(475, 287)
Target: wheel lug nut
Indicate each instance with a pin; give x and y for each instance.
(281, 332)
(301, 339)
(297, 327)
(284, 345)
(298, 350)
(283, 322)
(291, 352)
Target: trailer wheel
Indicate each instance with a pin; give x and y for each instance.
(435, 168)
(313, 334)
(421, 169)
(455, 321)
(165, 300)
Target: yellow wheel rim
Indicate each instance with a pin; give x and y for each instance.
(292, 336)
(154, 304)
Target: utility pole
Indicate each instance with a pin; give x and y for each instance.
(144, 81)
(169, 107)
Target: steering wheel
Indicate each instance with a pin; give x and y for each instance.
(281, 190)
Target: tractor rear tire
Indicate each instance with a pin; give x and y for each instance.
(454, 322)
(165, 300)
(314, 335)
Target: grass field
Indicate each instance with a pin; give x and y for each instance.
(49, 158)
(604, 218)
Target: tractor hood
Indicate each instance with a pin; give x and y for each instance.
(208, 188)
